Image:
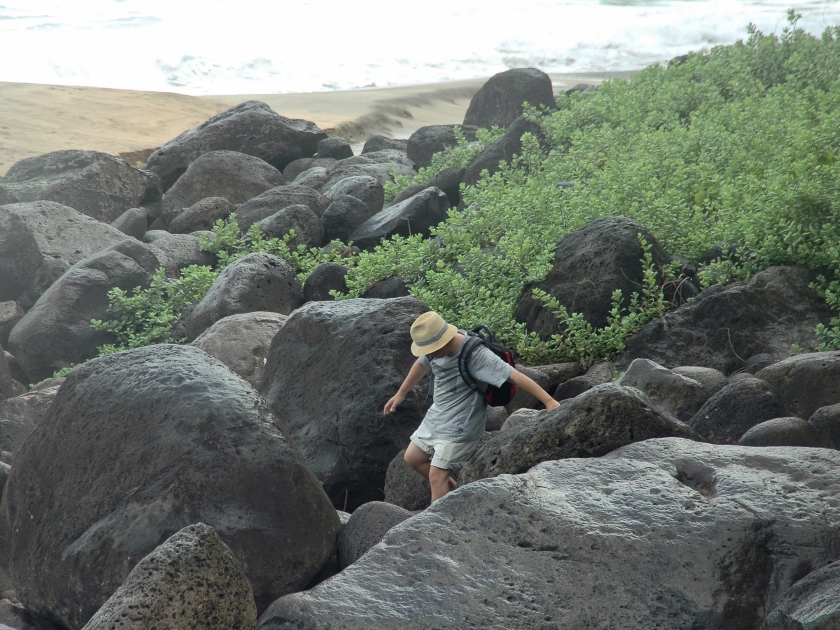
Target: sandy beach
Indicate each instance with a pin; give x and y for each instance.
(36, 119)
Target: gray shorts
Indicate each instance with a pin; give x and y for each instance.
(446, 455)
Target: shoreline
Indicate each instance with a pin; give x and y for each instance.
(36, 118)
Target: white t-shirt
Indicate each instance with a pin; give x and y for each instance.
(458, 413)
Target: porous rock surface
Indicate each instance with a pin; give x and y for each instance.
(805, 382)
(324, 278)
(366, 527)
(426, 141)
(242, 341)
(546, 376)
(190, 582)
(789, 431)
(826, 423)
(96, 184)
(343, 216)
(176, 251)
(500, 101)
(132, 222)
(382, 172)
(405, 487)
(813, 603)
(502, 150)
(272, 201)
(7, 387)
(331, 369)
(187, 441)
(601, 420)
(309, 230)
(202, 215)
(41, 240)
(664, 533)
(18, 418)
(250, 127)
(680, 396)
(413, 216)
(729, 413)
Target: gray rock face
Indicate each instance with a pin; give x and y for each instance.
(805, 382)
(296, 167)
(780, 432)
(427, 141)
(257, 282)
(330, 370)
(16, 617)
(366, 189)
(202, 215)
(324, 278)
(546, 376)
(366, 527)
(499, 101)
(773, 310)
(601, 420)
(314, 177)
(676, 394)
(382, 172)
(41, 240)
(405, 487)
(7, 389)
(385, 156)
(826, 424)
(56, 332)
(336, 147)
(502, 150)
(413, 216)
(713, 380)
(664, 533)
(519, 417)
(18, 418)
(132, 222)
(231, 175)
(449, 181)
(176, 251)
(495, 418)
(388, 288)
(15, 369)
(241, 342)
(188, 442)
(307, 226)
(381, 143)
(574, 387)
(813, 603)
(274, 200)
(95, 184)
(589, 265)
(343, 216)
(728, 414)
(191, 582)
(10, 314)
(251, 127)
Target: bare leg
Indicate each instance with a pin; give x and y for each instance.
(417, 459)
(442, 484)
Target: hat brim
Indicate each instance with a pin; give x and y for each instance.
(419, 351)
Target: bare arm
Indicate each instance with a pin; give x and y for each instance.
(532, 388)
(415, 374)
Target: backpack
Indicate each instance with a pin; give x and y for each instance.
(483, 336)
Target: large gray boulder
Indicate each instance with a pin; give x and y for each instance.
(188, 441)
(326, 277)
(789, 431)
(272, 201)
(775, 309)
(805, 382)
(546, 376)
(365, 188)
(344, 215)
(241, 342)
(427, 141)
(367, 526)
(251, 127)
(589, 265)
(133, 222)
(296, 167)
(202, 215)
(18, 418)
(309, 230)
(502, 150)
(813, 603)
(56, 332)
(7, 387)
(10, 314)
(191, 582)
(382, 172)
(257, 282)
(601, 420)
(336, 147)
(331, 369)
(231, 175)
(15, 617)
(674, 393)
(729, 413)
(314, 177)
(381, 143)
(665, 533)
(405, 487)
(96, 184)
(176, 251)
(499, 101)
(415, 215)
(826, 424)
(41, 240)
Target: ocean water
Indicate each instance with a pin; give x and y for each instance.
(253, 46)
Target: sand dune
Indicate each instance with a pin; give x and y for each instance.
(36, 119)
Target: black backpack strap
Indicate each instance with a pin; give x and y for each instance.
(470, 345)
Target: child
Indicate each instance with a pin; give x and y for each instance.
(449, 434)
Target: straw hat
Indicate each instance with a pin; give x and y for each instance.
(430, 333)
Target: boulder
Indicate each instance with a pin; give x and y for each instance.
(388, 288)
(56, 332)
(780, 432)
(664, 533)
(295, 168)
(191, 582)
(415, 215)
(257, 282)
(15, 369)
(188, 442)
(274, 200)
(805, 382)
(335, 147)
(202, 215)
(678, 395)
(176, 251)
(406, 193)
(95, 184)
(132, 222)
(326, 277)
(309, 230)
(589, 265)
(427, 141)
(502, 150)
(775, 309)
(41, 240)
(405, 487)
(601, 420)
(546, 376)
(366, 189)
(449, 181)
(18, 418)
(729, 413)
(330, 370)
(10, 314)
(495, 418)
(499, 102)
(7, 388)
(366, 527)
(250, 127)
(381, 143)
(241, 342)
(713, 380)
(385, 156)
(343, 216)
(381, 172)
(812, 603)
(314, 177)
(826, 424)
(521, 416)
(231, 175)
(574, 387)
(16, 617)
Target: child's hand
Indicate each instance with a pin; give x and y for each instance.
(391, 405)
(552, 404)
